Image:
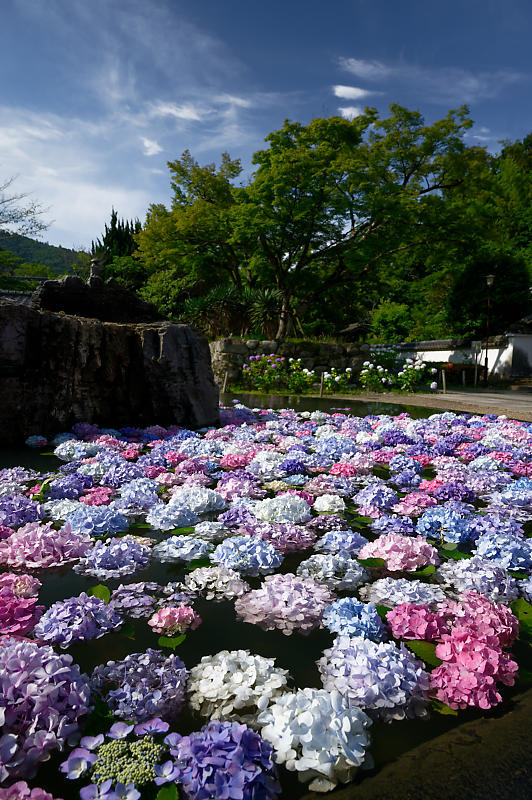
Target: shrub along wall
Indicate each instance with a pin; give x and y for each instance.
(229, 354)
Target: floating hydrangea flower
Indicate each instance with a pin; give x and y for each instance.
(198, 499)
(18, 615)
(17, 509)
(479, 575)
(234, 685)
(391, 592)
(166, 517)
(401, 553)
(376, 494)
(317, 734)
(387, 681)
(446, 524)
(224, 760)
(134, 599)
(20, 585)
(21, 791)
(350, 617)
(42, 698)
(326, 522)
(115, 558)
(343, 541)
(39, 546)
(507, 550)
(214, 532)
(97, 520)
(337, 571)
(142, 685)
(77, 619)
(182, 548)
(411, 621)
(286, 538)
(172, 620)
(250, 556)
(285, 602)
(329, 504)
(283, 508)
(215, 583)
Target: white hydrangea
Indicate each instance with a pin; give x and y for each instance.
(212, 531)
(329, 504)
(197, 499)
(60, 509)
(215, 583)
(338, 571)
(234, 685)
(315, 733)
(283, 508)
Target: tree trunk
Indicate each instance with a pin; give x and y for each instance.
(285, 319)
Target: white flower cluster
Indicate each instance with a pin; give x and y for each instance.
(182, 548)
(335, 571)
(329, 504)
(393, 591)
(197, 499)
(234, 685)
(315, 733)
(214, 532)
(215, 583)
(60, 509)
(283, 508)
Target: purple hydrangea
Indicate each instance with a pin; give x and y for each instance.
(114, 558)
(17, 510)
(77, 619)
(250, 556)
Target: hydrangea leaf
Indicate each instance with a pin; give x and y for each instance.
(426, 651)
(181, 531)
(100, 591)
(372, 563)
(442, 708)
(428, 570)
(173, 642)
(198, 562)
(523, 612)
(128, 630)
(168, 792)
(454, 554)
(382, 611)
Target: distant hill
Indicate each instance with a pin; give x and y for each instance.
(58, 259)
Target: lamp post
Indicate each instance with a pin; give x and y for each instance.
(489, 284)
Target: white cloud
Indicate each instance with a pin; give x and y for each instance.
(350, 112)
(441, 85)
(184, 111)
(350, 92)
(151, 147)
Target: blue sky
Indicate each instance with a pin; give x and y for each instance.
(97, 95)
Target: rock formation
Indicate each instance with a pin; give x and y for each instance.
(57, 369)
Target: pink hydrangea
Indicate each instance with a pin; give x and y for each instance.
(410, 621)
(172, 620)
(99, 496)
(39, 546)
(167, 479)
(18, 615)
(522, 470)
(154, 470)
(401, 553)
(21, 791)
(174, 458)
(20, 585)
(492, 622)
(423, 459)
(237, 460)
(430, 486)
(110, 442)
(413, 504)
(343, 468)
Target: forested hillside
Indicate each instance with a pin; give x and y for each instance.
(58, 259)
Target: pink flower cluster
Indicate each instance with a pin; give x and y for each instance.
(21, 791)
(343, 468)
(237, 460)
(414, 504)
(174, 458)
(401, 553)
(18, 615)
(99, 496)
(471, 635)
(39, 546)
(5, 531)
(174, 619)
(20, 585)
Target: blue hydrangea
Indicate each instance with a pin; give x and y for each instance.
(441, 522)
(114, 558)
(395, 523)
(182, 548)
(248, 555)
(510, 551)
(164, 517)
(343, 541)
(97, 520)
(376, 494)
(351, 617)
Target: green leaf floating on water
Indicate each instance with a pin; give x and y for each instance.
(430, 569)
(100, 591)
(523, 612)
(198, 562)
(425, 651)
(382, 611)
(372, 563)
(442, 708)
(168, 792)
(455, 554)
(173, 642)
(128, 630)
(181, 531)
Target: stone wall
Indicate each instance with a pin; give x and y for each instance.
(228, 355)
(57, 369)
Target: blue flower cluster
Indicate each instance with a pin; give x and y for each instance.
(351, 617)
(248, 555)
(114, 558)
(76, 619)
(97, 520)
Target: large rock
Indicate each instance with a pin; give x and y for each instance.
(57, 369)
(107, 301)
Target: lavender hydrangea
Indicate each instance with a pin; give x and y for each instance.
(385, 680)
(17, 510)
(135, 599)
(343, 541)
(250, 556)
(43, 697)
(76, 619)
(114, 558)
(142, 685)
(337, 571)
(479, 575)
(391, 592)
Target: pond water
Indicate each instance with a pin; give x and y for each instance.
(220, 630)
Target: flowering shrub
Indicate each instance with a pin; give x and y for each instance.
(267, 372)
(36, 546)
(375, 378)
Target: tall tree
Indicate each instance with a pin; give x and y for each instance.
(18, 213)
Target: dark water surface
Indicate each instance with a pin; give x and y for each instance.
(221, 631)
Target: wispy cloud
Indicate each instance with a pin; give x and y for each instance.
(151, 147)
(441, 85)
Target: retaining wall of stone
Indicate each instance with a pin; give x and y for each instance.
(229, 354)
